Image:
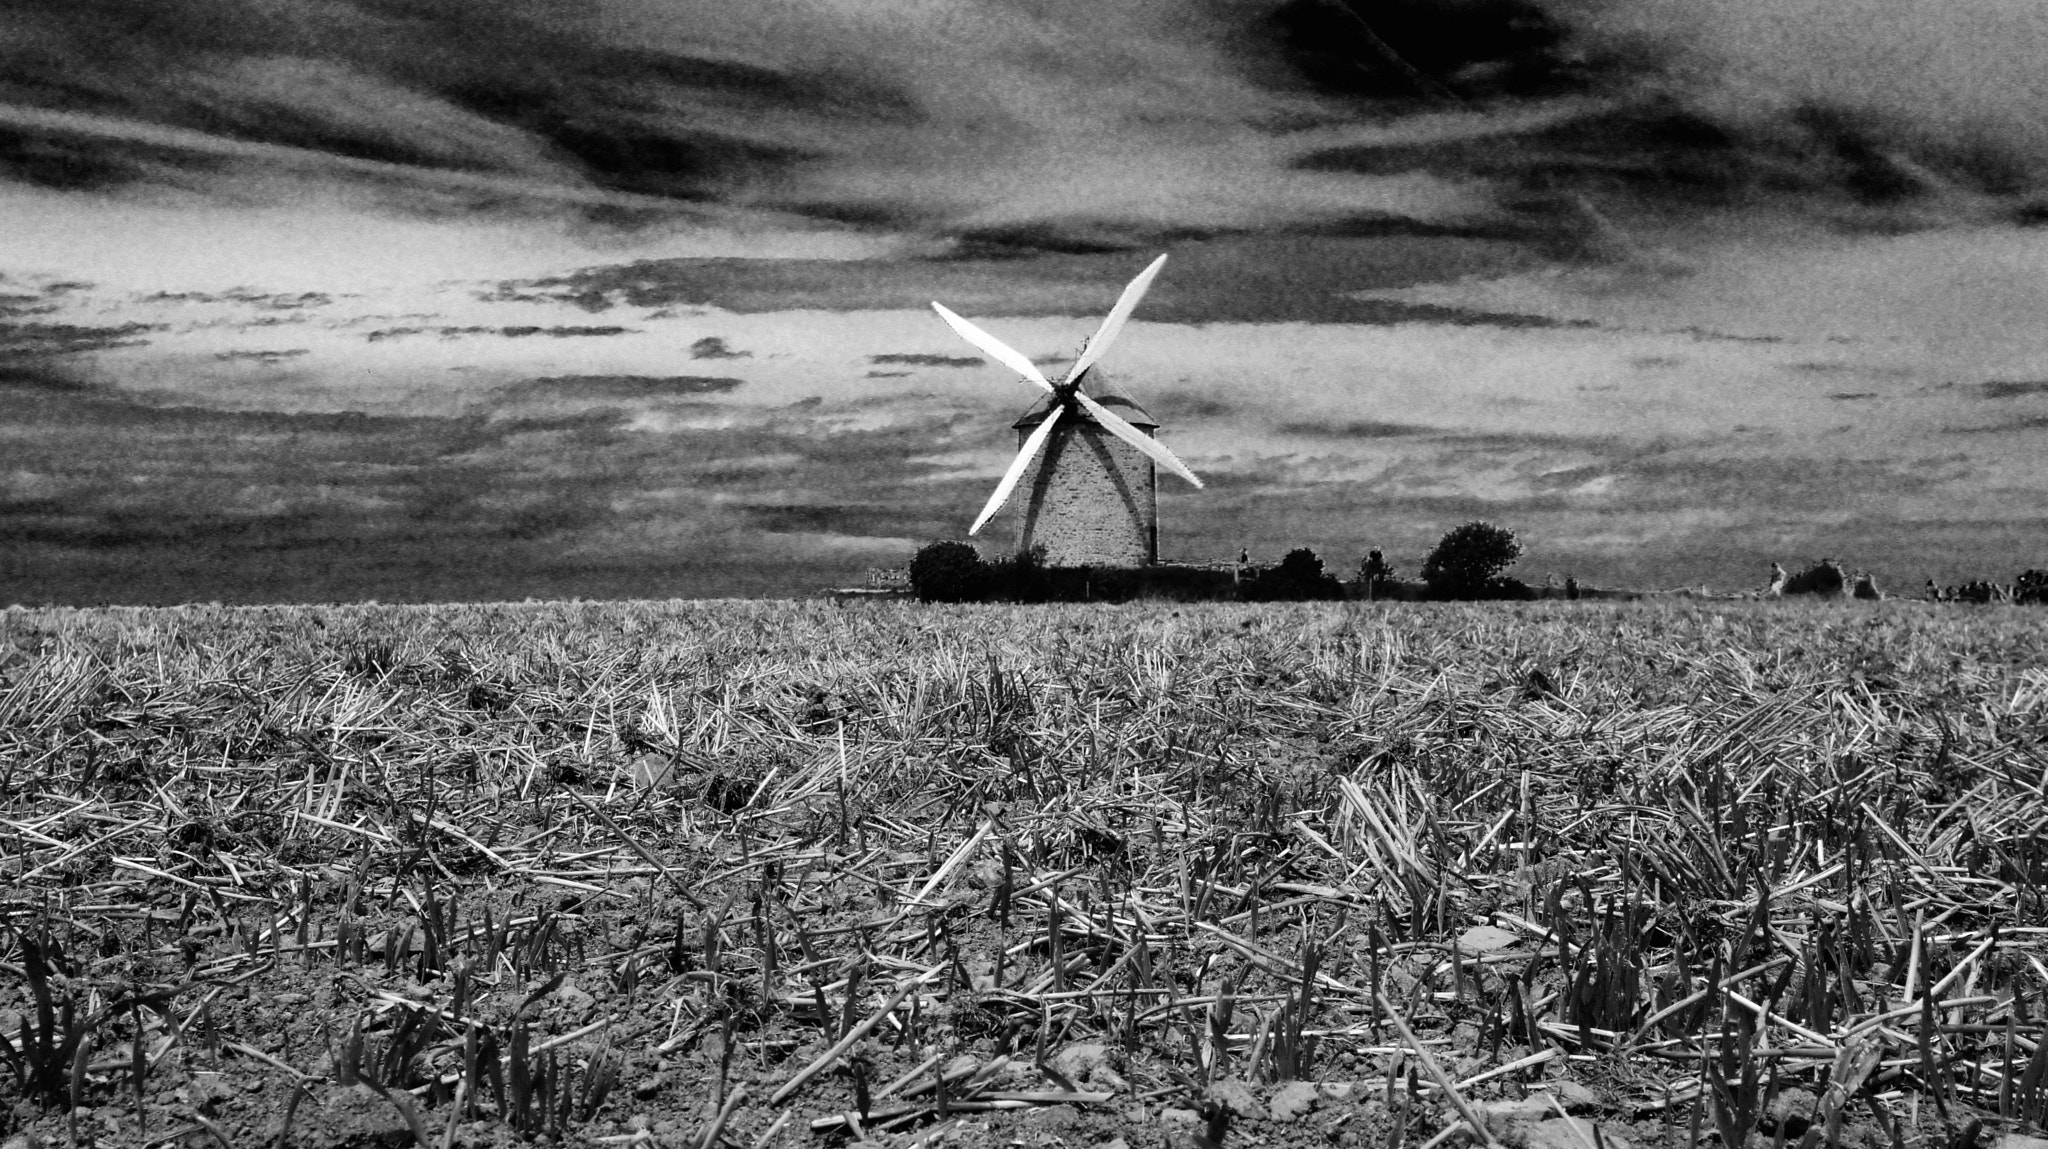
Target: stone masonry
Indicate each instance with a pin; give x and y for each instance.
(1091, 499)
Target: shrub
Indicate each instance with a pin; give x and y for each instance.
(1299, 576)
(2031, 587)
(1471, 562)
(1825, 577)
(1022, 577)
(949, 572)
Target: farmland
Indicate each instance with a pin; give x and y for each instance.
(808, 873)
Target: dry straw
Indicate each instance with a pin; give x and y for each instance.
(833, 847)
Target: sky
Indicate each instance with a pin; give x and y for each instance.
(422, 300)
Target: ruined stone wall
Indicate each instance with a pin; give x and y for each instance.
(1090, 500)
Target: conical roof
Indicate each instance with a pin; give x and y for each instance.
(1128, 410)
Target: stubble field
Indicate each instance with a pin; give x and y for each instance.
(1560, 876)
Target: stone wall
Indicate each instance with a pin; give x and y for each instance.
(1091, 499)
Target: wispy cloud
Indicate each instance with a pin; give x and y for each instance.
(2013, 388)
(1357, 429)
(922, 359)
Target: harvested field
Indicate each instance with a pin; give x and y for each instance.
(808, 873)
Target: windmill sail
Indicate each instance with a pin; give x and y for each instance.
(1136, 438)
(1098, 344)
(994, 348)
(1030, 451)
(1067, 397)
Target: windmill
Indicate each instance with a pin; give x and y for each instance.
(1092, 500)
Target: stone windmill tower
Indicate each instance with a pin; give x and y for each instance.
(1092, 498)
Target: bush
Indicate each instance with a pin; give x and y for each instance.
(1027, 578)
(1020, 578)
(949, 572)
(1471, 562)
(1298, 577)
(1825, 577)
(2031, 587)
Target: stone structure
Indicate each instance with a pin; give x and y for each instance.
(1090, 499)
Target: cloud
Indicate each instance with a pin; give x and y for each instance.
(2013, 388)
(1945, 75)
(918, 359)
(2021, 423)
(514, 332)
(1357, 429)
(1144, 116)
(335, 105)
(1965, 299)
(713, 347)
(632, 386)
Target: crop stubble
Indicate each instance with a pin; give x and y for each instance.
(747, 873)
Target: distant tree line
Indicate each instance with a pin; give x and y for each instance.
(1470, 562)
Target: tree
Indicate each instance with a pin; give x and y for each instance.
(1375, 573)
(1471, 561)
(948, 572)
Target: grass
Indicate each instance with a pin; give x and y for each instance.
(750, 873)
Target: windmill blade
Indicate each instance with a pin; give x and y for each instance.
(1098, 344)
(1137, 438)
(994, 348)
(1016, 471)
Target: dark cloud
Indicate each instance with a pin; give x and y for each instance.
(628, 386)
(712, 347)
(1355, 429)
(68, 338)
(1606, 445)
(1191, 405)
(1487, 48)
(2023, 423)
(1898, 92)
(30, 373)
(921, 360)
(14, 306)
(2014, 388)
(520, 331)
(1709, 335)
(839, 517)
(268, 301)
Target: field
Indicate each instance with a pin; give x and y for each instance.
(1558, 876)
